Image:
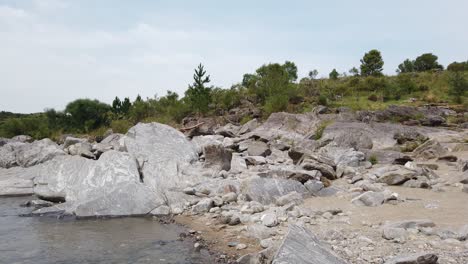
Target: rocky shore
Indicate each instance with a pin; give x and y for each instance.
(319, 187)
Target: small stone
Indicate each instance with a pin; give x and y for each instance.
(234, 221)
(230, 197)
(269, 220)
(241, 246)
(232, 244)
(189, 191)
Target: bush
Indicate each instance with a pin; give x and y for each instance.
(34, 126)
(276, 103)
(322, 100)
(121, 126)
(373, 159)
(373, 98)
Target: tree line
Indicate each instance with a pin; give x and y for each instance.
(272, 87)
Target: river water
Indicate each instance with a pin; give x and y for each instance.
(121, 240)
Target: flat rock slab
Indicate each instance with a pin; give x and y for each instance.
(301, 246)
(418, 258)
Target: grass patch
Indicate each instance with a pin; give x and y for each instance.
(321, 128)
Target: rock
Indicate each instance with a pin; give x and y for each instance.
(258, 148)
(37, 204)
(17, 181)
(292, 197)
(203, 206)
(269, 220)
(255, 160)
(72, 141)
(302, 246)
(81, 149)
(248, 127)
(22, 139)
(286, 126)
(462, 165)
(235, 220)
(394, 233)
(369, 199)
(394, 175)
(409, 136)
(429, 150)
(238, 163)
(164, 158)
(189, 191)
(326, 170)
(328, 191)
(200, 142)
(414, 224)
(266, 190)
(418, 258)
(230, 197)
(449, 158)
(161, 211)
(110, 186)
(465, 188)
(241, 246)
(228, 130)
(28, 154)
(314, 186)
(217, 157)
(433, 120)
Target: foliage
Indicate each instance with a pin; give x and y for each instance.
(426, 62)
(458, 86)
(406, 66)
(334, 74)
(373, 159)
(372, 63)
(121, 126)
(34, 126)
(313, 74)
(458, 66)
(86, 114)
(320, 129)
(198, 95)
(276, 103)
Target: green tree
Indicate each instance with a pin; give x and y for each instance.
(126, 105)
(313, 74)
(291, 69)
(458, 86)
(354, 71)
(426, 62)
(86, 114)
(334, 75)
(458, 66)
(198, 95)
(406, 66)
(372, 63)
(116, 105)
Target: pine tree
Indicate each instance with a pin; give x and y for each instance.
(197, 94)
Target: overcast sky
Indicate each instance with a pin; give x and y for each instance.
(55, 51)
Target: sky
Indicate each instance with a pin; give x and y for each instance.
(55, 51)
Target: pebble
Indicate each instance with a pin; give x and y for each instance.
(241, 246)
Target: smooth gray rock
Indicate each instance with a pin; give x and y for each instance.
(81, 149)
(394, 233)
(200, 142)
(265, 190)
(369, 199)
(258, 148)
(17, 181)
(217, 157)
(28, 154)
(203, 206)
(302, 246)
(314, 186)
(394, 174)
(72, 141)
(313, 164)
(418, 258)
(248, 127)
(238, 163)
(292, 197)
(269, 220)
(164, 157)
(108, 186)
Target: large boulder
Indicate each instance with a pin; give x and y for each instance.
(266, 190)
(108, 186)
(217, 157)
(258, 148)
(394, 174)
(287, 126)
(429, 150)
(28, 154)
(164, 157)
(301, 246)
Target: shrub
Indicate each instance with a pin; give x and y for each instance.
(373, 97)
(373, 159)
(121, 126)
(276, 103)
(322, 100)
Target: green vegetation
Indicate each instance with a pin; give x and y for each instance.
(273, 87)
(373, 159)
(320, 129)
